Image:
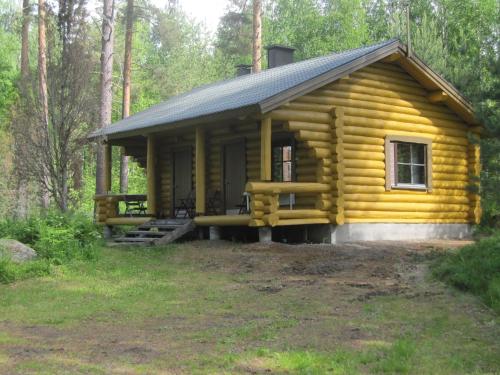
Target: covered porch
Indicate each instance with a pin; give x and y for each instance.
(266, 172)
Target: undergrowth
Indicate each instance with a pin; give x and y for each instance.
(474, 268)
(57, 238)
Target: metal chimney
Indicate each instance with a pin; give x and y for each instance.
(279, 55)
(243, 69)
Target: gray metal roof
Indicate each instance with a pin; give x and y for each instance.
(260, 92)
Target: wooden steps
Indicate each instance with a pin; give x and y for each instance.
(157, 232)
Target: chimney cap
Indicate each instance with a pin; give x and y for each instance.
(280, 46)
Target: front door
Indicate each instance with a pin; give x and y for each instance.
(183, 175)
(234, 176)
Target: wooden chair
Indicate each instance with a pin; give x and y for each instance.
(243, 207)
(186, 205)
(214, 203)
(133, 206)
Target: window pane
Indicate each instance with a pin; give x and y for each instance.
(418, 174)
(403, 153)
(404, 174)
(277, 164)
(417, 154)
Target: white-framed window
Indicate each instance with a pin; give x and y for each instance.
(408, 163)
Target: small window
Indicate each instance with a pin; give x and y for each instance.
(283, 165)
(408, 163)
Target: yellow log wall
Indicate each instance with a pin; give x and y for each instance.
(377, 101)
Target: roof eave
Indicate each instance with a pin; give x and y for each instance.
(201, 120)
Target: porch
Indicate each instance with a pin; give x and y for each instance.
(232, 174)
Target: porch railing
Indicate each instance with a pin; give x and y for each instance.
(265, 203)
(108, 209)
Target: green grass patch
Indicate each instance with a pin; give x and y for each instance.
(474, 268)
(57, 238)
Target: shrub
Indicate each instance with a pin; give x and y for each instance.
(58, 238)
(474, 268)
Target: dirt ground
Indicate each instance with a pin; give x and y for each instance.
(263, 284)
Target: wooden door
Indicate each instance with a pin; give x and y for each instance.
(183, 175)
(234, 174)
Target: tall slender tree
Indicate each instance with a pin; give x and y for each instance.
(127, 70)
(22, 184)
(42, 87)
(107, 40)
(257, 36)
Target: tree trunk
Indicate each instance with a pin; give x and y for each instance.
(42, 91)
(108, 19)
(257, 36)
(25, 64)
(22, 184)
(127, 70)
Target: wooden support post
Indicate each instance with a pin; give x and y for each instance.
(200, 171)
(265, 149)
(151, 175)
(107, 167)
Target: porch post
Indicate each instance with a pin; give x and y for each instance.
(151, 175)
(107, 167)
(265, 149)
(200, 171)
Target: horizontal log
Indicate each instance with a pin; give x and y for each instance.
(286, 222)
(405, 207)
(286, 187)
(359, 118)
(436, 176)
(363, 147)
(382, 133)
(356, 188)
(225, 220)
(396, 196)
(363, 163)
(377, 84)
(403, 220)
(301, 214)
(363, 140)
(306, 135)
(415, 107)
(318, 144)
(404, 214)
(306, 116)
(387, 79)
(364, 172)
(366, 181)
(364, 155)
(310, 126)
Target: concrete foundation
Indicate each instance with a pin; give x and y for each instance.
(107, 231)
(397, 232)
(265, 234)
(214, 233)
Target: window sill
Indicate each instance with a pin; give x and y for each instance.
(410, 187)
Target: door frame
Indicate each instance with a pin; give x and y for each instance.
(172, 182)
(239, 140)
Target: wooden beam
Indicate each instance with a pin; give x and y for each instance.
(391, 58)
(107, 167)
(151, 175)
(265, 149)
(200, 171)
(437, 96)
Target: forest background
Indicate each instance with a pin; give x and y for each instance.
(172, 53)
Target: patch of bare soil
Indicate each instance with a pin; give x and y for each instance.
(340, 278)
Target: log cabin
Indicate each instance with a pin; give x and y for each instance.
(366, 144)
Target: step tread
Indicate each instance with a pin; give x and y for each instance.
(133, 239)
(147, 232)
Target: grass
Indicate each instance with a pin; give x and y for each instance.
(474, 268)
(160, 310)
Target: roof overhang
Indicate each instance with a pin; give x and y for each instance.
(440, 89)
